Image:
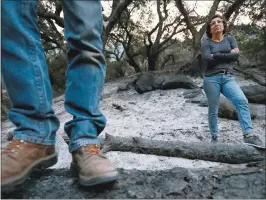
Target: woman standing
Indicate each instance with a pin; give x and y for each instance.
(218, 51)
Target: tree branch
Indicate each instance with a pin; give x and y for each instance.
(58, 8)
(187, 20)
(211, 13)
(162, 48)
(161, 19)
(49, 39)
(53, 26)
(236, 5)
(171, 36)
(58, 20)
(120, 7)
(152, 31)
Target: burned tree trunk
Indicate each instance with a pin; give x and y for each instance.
(133, 63)
(220, 152)
(152, 63)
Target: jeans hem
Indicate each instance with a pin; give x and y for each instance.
(31, 139)
(82, 142)
(249, 131)
(215, 134)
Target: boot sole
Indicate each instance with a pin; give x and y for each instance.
(256, 146)
(94, 180)
(43, 163)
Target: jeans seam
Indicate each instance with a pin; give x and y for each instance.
(36, 70)
(206, 81)
(243, 122)
(32, 139)
(239, 110)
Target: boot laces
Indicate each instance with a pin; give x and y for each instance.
(93, 149)
(13, 146)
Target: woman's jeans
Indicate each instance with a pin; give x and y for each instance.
(26, 77)
(226, 84)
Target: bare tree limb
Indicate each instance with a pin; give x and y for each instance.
(49, 39)
(58, 20)
(211, 13)
(113, 19)
(235, 6)
(126, 25)
(234, 18)
(113, 53)
(161, 19)
(173, 33)
(58, 8)
(152, 31)
(53, 26)
(185, 14)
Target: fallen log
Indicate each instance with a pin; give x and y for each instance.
(219, 152)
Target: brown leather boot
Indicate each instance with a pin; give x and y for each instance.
(93, 167)
(19, 158)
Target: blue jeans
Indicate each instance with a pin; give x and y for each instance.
(226, 84)
(26, 77)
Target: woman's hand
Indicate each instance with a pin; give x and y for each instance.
(235, 50)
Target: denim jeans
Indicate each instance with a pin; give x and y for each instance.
(226, 84)
(25, 73)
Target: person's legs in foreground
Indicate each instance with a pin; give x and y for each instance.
(211, 86)
(233, 92)
(84, 81)
(26, 77)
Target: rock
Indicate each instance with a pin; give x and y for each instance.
(252, 73)
(194, 68)
(124, 87)
(192, 94)
(203, 102)
(173, 188)
(255, 93)
(129, 70)
(259, 79)
(147, 82)
(180, 81)
(131, 194)
(228, 110)
(177, 183)
(243, 61)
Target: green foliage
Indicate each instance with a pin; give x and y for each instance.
(250, 38)
(114, 69)
(57, 68)
(51, 32)
(251, 42)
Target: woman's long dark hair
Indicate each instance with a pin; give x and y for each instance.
(208, 30)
